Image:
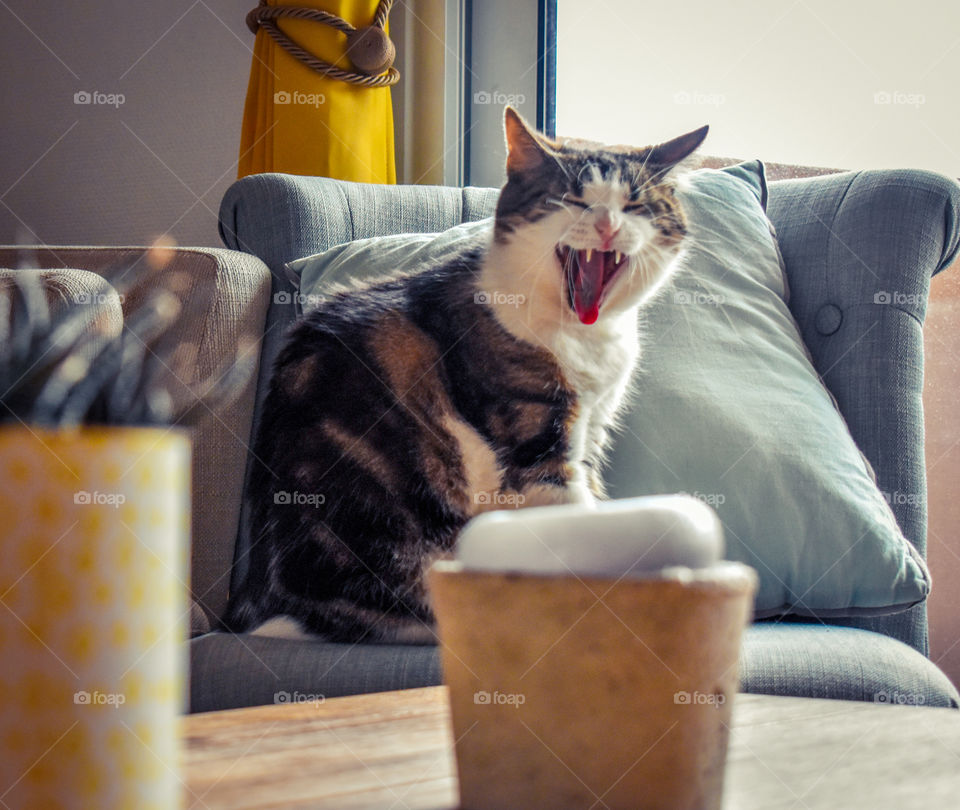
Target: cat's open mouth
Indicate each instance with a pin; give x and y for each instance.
(589, 274)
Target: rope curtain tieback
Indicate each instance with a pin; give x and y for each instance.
(369, 48)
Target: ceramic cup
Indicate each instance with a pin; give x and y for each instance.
(94, 526)
(572, 692)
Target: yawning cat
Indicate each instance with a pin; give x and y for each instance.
(413, 404)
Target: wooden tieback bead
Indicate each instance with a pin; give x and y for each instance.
(369, 49)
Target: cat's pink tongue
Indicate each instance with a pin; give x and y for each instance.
(588, 286)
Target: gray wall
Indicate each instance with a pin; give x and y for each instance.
(100, 174)
(851, 84)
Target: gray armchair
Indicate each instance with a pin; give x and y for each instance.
(844, 237)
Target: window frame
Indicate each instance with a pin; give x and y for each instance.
(515, 61)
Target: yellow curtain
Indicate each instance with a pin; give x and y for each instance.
(299, 122)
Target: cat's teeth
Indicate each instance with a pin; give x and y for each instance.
(616, 256)
(589, 253)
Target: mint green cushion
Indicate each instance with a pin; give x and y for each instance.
(727, 407)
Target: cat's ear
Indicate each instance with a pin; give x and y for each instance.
(668, 154)
(526, 151)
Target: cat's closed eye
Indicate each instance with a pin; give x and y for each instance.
(631, 208)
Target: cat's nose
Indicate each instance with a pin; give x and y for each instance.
(606, 229)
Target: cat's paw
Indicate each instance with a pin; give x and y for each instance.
(580, 493)
(549, 495)
(281, 627)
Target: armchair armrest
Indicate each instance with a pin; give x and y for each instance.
(229, 292)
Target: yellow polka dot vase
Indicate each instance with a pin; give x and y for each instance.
(94, 526)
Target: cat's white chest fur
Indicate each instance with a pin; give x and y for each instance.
(598, 364)
(572, 279)
(596, 360)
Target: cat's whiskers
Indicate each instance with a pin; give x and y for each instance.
(653, 178)
(642, 170)
(650, 181)
(543, 267)
(695, 241)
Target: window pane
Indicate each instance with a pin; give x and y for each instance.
(852, 84)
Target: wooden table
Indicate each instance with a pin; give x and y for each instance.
(395, 750)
